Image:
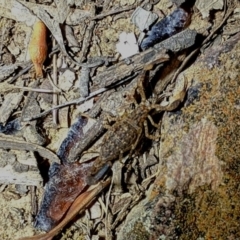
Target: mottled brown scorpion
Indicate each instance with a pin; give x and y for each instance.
(124, 135)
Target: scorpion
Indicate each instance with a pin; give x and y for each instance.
(124, 135)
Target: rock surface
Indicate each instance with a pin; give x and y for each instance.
(196, 193)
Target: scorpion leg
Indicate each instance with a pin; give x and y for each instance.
(178, 94)
(120, 158)
(140, 87)
(156, 125)
(147, 134)
(136, 142)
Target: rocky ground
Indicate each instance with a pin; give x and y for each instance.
(181, 186)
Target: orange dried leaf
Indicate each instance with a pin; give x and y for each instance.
(38, 47)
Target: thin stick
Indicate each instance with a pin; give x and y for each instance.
(55, 82)
(107, 205)
(79, 100)
(40, 90)
(112, 12)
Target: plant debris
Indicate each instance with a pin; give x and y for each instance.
(38, 47)
(204, 7)
(166, 27)
(99, 101)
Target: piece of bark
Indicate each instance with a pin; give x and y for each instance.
(166, 27)
(75, 135)
(84, 79)
(63, 115)
(6, 71)
(87, 41)
(71, 38)
(11, 102)
(121, 70)
(15, 171)
(32, 108)
(9, 176)
(62, 10)
(9, 142)
(65, 184)
(83, 140)
(179, 42)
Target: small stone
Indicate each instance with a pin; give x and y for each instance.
(21, 189)
(13, 49)
(127, 45)
(66, 80)
(96, 211)
(143, 19)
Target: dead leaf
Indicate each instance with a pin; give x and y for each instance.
(20, 12)
(72, 41)
(63, 10)
(54, 28)
(66, 80)
(14, 10)
(205, 6)
(37, 47)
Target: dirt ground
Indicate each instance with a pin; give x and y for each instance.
(93, 31)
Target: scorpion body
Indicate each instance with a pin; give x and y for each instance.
(124, 135)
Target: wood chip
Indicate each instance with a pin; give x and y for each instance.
(13, 171)
(11, 102)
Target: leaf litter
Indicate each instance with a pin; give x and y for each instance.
(93, 35)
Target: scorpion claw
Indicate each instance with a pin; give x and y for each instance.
(178, 94)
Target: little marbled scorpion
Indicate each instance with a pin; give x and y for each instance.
(124, 135)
